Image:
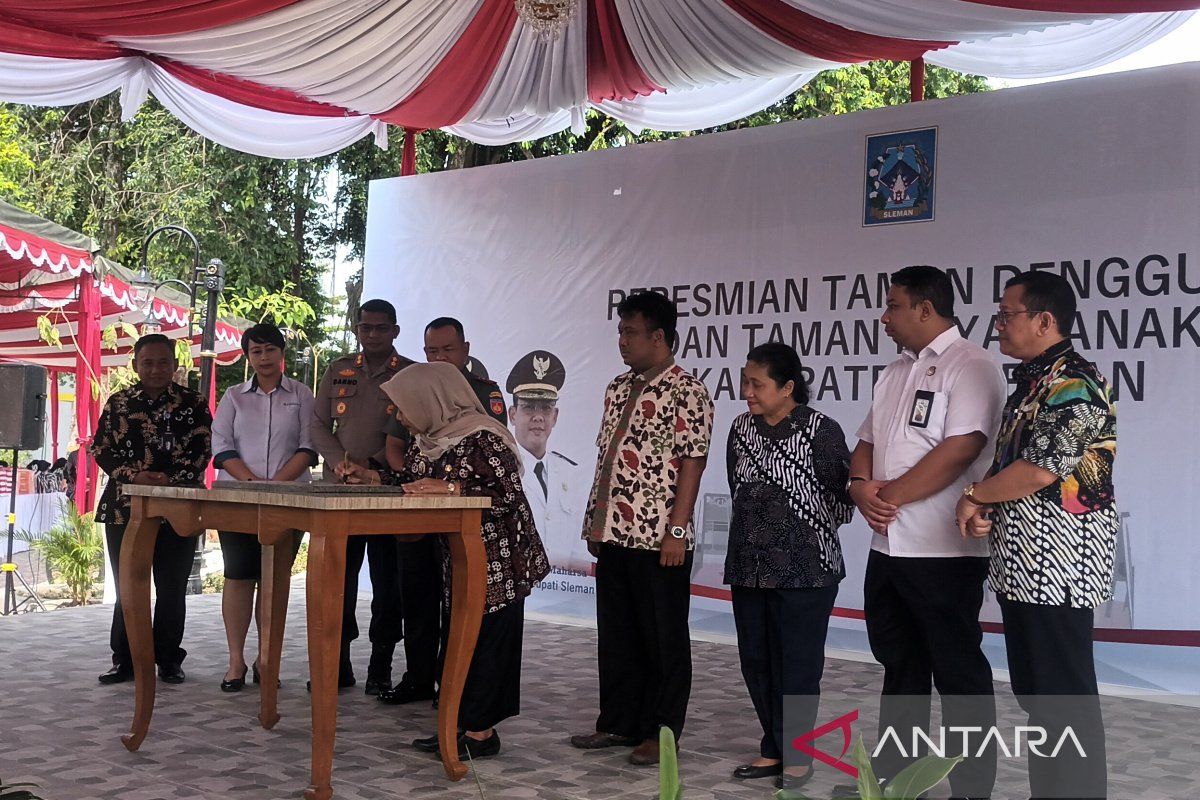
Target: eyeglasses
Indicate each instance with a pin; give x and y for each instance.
(1004, 317)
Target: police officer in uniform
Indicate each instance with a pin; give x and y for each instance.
(534, 383)
(351, 414)
(420, 567)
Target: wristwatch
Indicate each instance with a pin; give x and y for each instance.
(678, 532)
(969, 493)
(853, 478)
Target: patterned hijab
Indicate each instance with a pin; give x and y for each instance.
(438, 402)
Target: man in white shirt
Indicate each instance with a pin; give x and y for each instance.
(935, 413)
(551, 480)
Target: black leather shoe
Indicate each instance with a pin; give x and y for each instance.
(599, 739)
(377, 686)
(478, 749)
(429, 744)
(785, 781)
(118, 674)
(344, 681)
(234, 684)
(748, 772)
(404, 693)
(173, 673)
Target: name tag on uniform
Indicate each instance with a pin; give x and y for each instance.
(921, 407)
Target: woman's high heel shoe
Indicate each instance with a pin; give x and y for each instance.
(234, 684)
(258, 677)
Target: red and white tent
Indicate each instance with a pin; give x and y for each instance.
(298, 78)
(51, 272)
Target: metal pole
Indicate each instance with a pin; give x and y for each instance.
(10, 595)
(214, 282)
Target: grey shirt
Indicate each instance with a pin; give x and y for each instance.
(264, 430)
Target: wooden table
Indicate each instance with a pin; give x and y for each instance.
(329, 513)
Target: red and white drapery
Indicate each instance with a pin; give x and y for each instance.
(64, 282)
(298, 78)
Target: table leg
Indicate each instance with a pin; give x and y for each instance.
(137, 557)
(273, 587)
(468, 568)
(324, 592)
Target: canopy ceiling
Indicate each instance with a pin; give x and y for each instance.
(298, 78)
(41, 266)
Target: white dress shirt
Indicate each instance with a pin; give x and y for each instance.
(951, 388)
(555, 509)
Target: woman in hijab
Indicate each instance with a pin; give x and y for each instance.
(457, 449)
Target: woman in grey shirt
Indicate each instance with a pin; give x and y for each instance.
(260, 433)
(788, 466)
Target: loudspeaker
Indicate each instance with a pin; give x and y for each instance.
(22, 406)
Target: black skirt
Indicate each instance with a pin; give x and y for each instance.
(492, 693)
(242, 554)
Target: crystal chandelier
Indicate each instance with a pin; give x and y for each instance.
(546, 17)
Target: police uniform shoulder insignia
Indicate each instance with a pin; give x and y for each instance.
(394, 363)
(496, 402)
(564, 458)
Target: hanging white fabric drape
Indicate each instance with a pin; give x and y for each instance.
(1062, 50)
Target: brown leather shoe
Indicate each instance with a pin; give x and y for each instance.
(597, 740)
(645, 754)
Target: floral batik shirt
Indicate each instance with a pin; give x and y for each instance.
(171, 433)
(1056, 546)
(652, 421)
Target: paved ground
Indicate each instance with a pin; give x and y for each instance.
(60, 729)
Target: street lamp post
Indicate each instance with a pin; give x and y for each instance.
(210, 278)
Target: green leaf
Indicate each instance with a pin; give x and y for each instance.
(789, 794)
(868, 784)
(669, 787)
(919, 777)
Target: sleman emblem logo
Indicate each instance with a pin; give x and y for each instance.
(900, 177)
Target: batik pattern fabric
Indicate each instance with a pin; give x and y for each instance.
(171, 433)
(788, 487)
(652, 421)
(483, 465)
(1057, 546)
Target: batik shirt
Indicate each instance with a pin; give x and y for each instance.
(171, 433)
(483, 465)
(1056, 546)
(788, 485)
(652, 421)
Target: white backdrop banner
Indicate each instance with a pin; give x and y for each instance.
(789, 233)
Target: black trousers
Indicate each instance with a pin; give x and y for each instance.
(645, 647)
(781, 643)
(421, 598)
(922, 619)
(173, 556)
(387, 623)
(1053, 674)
